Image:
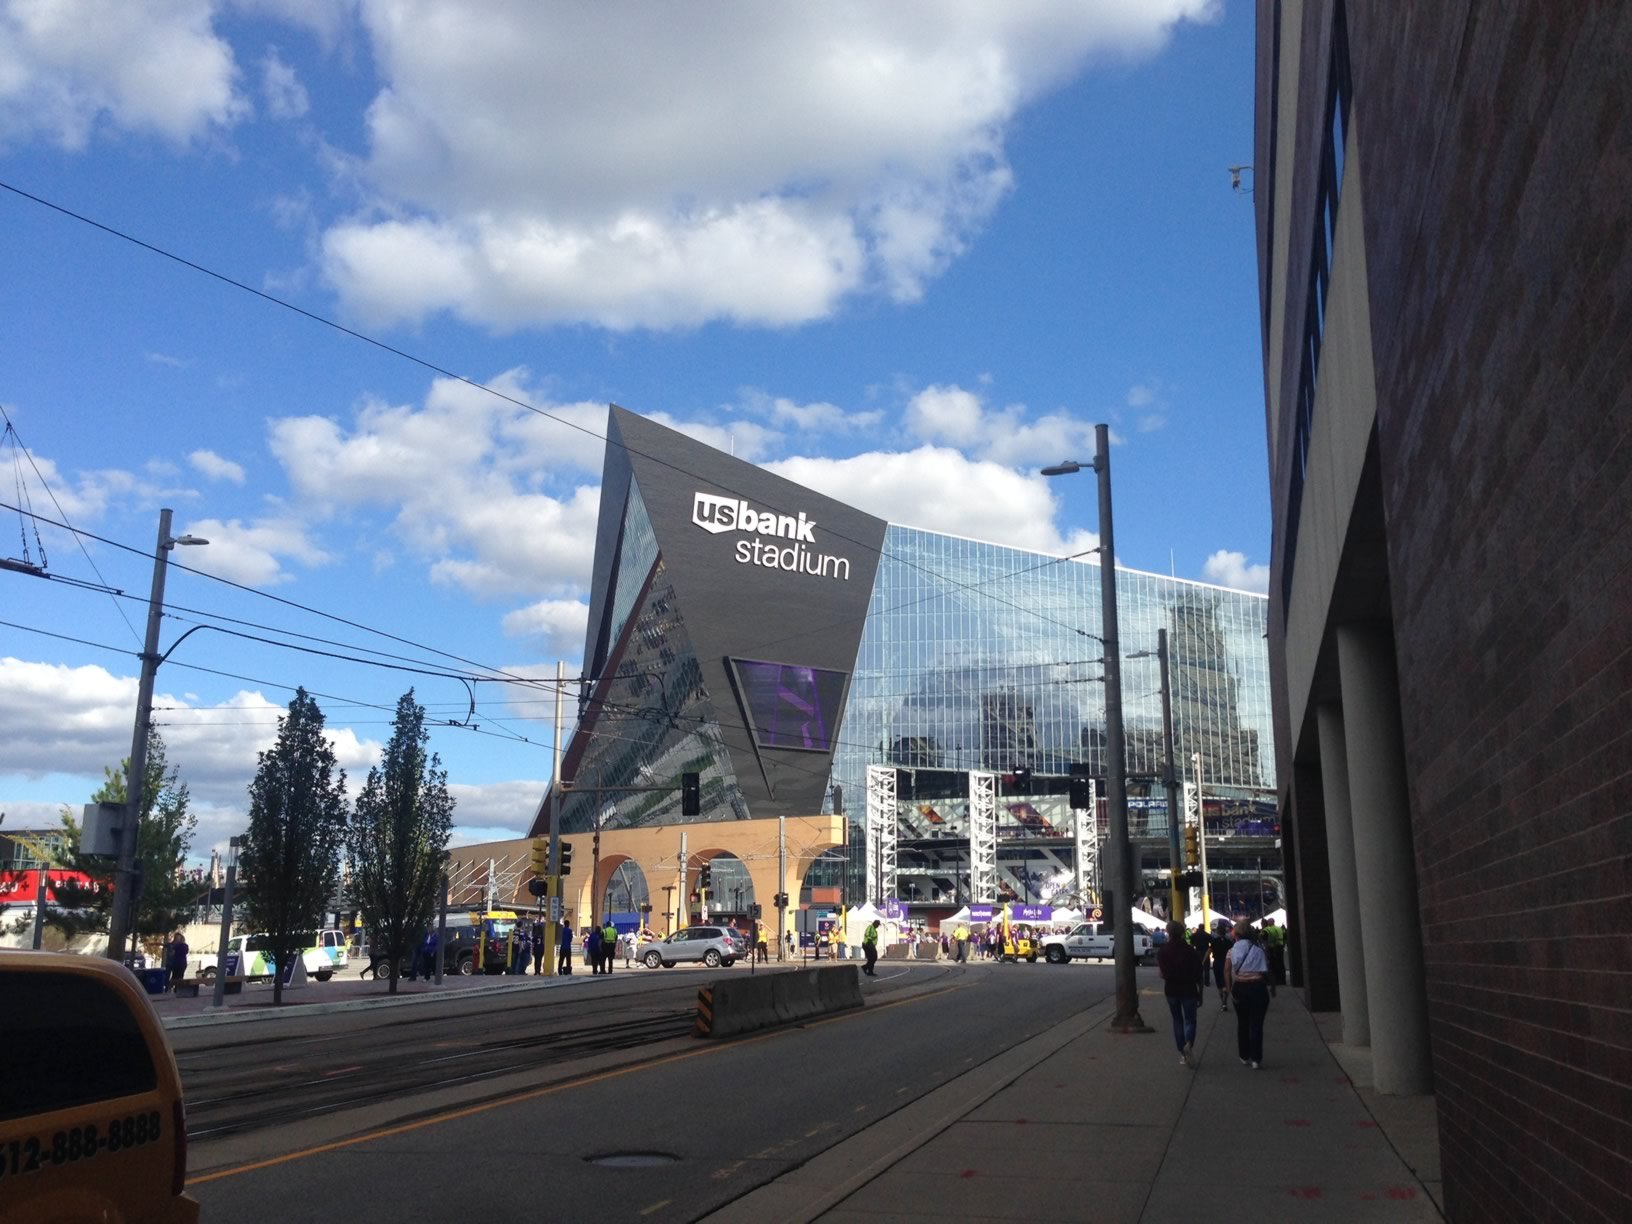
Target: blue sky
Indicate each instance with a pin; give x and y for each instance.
(905, 253)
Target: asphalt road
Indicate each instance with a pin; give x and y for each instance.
(666, 1131)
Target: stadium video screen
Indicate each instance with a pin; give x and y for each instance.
(790, 706)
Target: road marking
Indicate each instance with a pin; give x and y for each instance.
(344, 1070)
(660, 1203)
(533, 1094)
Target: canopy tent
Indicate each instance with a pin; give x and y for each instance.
(1068, 917)
(950, 923)
(1149, 921)
(1193, 919)
(1277, 916)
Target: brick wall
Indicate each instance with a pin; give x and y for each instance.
(1497, 144)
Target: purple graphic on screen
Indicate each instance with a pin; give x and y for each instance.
(791, 706)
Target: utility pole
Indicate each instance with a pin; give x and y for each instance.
(683, 898)
(781, 886)
(553, 880)
(125, 875)
(1171, 782)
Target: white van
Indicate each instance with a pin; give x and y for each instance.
(324, 953)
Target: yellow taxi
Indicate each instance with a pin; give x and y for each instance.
(91, 1121)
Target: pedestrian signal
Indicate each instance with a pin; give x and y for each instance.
(541, 856)
(566, 858)
(1192, 846)
(691, 794)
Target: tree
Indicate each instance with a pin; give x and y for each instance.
(297, 824)
(167, 896)
(398, 837)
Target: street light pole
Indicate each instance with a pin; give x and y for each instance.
(1171, 782)
(122, 917)
(1120, 895)
(1201, 838)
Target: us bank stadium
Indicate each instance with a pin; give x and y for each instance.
(879, 712)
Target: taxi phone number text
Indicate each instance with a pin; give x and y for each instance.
(78, 1143)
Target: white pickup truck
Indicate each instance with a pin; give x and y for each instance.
(1093, 940)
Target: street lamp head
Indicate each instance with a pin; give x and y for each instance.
(188, 539)
(1069, 467)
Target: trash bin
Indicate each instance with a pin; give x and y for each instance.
(152, 980)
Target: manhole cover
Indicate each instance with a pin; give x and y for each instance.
(633, 1160)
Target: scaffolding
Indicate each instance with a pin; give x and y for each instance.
(882, 833)
(982, 836)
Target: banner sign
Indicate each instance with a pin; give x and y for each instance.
(23, 886)
(980, 913)
(1031, 913)
(892, 908)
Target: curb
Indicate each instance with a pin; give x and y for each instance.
(241, 1015)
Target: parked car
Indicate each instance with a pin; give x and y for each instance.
(712, 945)
(1093, 940)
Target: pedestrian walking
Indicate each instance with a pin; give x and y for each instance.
(177, 951)
(521, 949)
(761, 951)
(790, 944)
(538, 948)
(1247, 968)
(961, 937)
(565, 935)
(1219, 945)
(869, 948)
(592, 948)
(609, 946)
(1180, 967)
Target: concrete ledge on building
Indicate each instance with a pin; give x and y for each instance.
(731, 1006)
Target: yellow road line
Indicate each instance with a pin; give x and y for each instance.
(533, 1094)
(660, 1203)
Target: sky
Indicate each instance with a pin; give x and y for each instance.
(903, 253)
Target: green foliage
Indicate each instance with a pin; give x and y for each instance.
(398, 837)
(297, 821)
(168, 896)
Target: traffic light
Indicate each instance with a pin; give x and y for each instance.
(1192, 846)
(541, 856)
(566, 858)
(696, 897)
(1022, 780)
(1082, 787)
(691, 794)
(781, 901)
(703, 877)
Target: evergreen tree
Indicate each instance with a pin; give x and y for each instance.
(167, 894)
(398, 838)
(290, 858)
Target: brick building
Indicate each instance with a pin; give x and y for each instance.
(1444, 208)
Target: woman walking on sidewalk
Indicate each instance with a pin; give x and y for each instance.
(1181, 972)
(1248, 971)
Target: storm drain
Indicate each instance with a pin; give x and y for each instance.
(633, 1160)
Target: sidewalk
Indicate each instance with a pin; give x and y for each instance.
(1082, 1123)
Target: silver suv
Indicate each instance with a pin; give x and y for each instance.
(712, 945)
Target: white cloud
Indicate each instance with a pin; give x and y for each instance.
(68, 67)
(943, 490)
(704, 162)
(494, 811)
(489, 494)
(212, 465)
(1149, 405)
(1230, 569)
(251, 553)
(285, 95)
(78, 720)
(557, 624)
(819, 417)
(959, 417)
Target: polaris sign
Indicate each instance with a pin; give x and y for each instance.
(716, 515)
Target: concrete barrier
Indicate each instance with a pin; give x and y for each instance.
(898, 951)
(929, 951)
(746, 1002)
